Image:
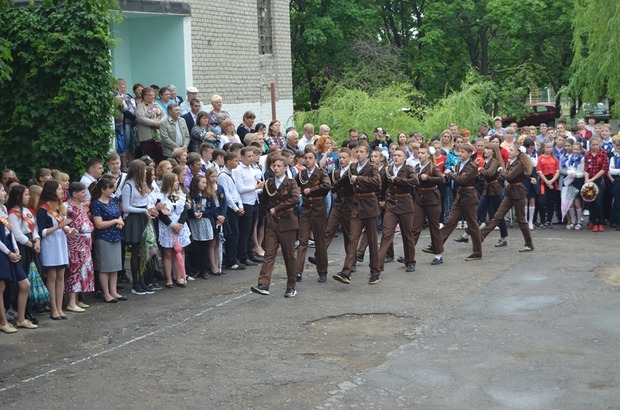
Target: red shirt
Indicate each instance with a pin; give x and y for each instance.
(594, 163)
(441, 163)
(548, 165)
(505, 155)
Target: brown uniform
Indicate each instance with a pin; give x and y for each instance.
(364, 214)
(280, 228)
(492, 187)
(363, 242)
(515, 196)
(464, 205)
(341, 207)
(427, 204)
(398, 210)
(313, 217)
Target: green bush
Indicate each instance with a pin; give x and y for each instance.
(57, 106)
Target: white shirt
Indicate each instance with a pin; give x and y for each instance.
(412, 162)
(301, 144)
(279, 181)
(360, 167)
(226, 181)
(395, 169)
(87, 180)
(245, 179)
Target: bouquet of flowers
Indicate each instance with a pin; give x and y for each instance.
(589, 191)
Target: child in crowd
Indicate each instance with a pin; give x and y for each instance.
(548, 170)
(574, 178)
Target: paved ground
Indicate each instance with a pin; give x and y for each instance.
(538, 330)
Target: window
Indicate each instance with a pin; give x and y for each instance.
(265, 41)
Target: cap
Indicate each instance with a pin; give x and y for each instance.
(378, 129)
(362, 136)
(192, 89)
(497, 119)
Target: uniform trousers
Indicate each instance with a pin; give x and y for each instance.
(338, 218)
(405, 221)
(432, 213)
(357, 225)
(285, 240)
(467, 212)
(313, 220)
(504, 208)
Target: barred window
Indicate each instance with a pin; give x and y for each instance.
(265, 41)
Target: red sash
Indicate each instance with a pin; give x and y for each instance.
(56, 214)
(27, 218)
(6, 223)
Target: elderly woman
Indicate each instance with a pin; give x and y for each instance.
(180, 156)
(217, 115)
(202, 132)
(228, 133)
(149, 116)
(80, 275)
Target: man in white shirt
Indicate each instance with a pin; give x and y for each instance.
(306, 138)
(185, 106)
(94, 169)
(247, 184)
(234, 210)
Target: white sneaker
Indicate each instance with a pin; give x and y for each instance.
(482, 225)
(586, 212)
(570, 227)
(440, 225)
(531, 226)
(459, 225)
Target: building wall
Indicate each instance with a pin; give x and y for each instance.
(221, 50)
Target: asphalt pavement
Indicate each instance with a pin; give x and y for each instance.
(514, 330)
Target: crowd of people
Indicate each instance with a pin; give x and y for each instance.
(188, 196)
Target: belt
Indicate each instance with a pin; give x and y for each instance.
(427, 189)
(516, 183)
(397, 195)
(466, 187)
(365, 194)
(314, 198)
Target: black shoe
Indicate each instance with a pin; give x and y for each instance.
(298, 277)
(120, 287)
(312, 260)
(204, 275)
(360, 258)
(260, 289)
(410, 267)
(249, 262)
(322, 278)
(437, 261)
(256, 258)
(473, 257)
(374, 280)
(501, 243)
(353, 268)
(122, 278)
(290, 293)
(137, 290)
(401, 259)
(428, 249)
(461, 239)
(388, 259)
(526, 249)
(340, 277)
(150, 286)
(217, 274)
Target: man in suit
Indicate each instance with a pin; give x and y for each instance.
(173, 132)
(279, 198)
(365, 180)
(396, 192)
(190, 117)
(465, 204)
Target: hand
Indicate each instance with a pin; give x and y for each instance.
(353, 178)
(307, 191)
(272, 211)
(532, 180)
(240, 212)
(37, 246)
(260, 185)
(220, 219)
(29, 244)
(152, 213)
(177, 228)
(72, 231)
(423, 177)
(120, 223)
(65, 222)
(14, 257)
(165, 211)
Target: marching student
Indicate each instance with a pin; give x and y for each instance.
(279, 198)
(364, 214)
(465, 202)
(314, 184)
(427, 204)
(519, 167)
(397, 182)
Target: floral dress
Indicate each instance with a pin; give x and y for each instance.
(80, 275)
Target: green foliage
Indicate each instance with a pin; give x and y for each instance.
(58, 105)
(596, 45)
(343, 108)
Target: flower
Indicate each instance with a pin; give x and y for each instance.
(589, 191)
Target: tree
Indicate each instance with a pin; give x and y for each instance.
(596, 45)
(59, 113)
(5, 53)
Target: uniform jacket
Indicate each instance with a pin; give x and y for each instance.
(427, 193)
(318, 184)
(489, 173)
(365, 201)
(513, 175)
(343, 189)
(465, 180)
(284, 200)
(397, 193)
